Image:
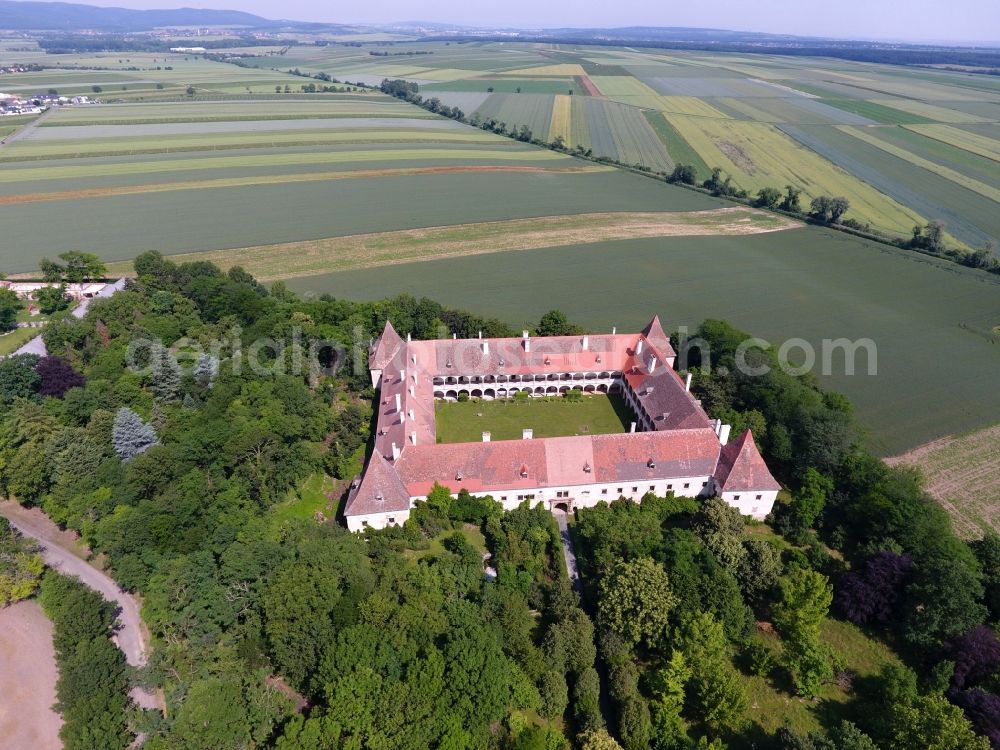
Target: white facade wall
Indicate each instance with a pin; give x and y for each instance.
(753, 503)
(756, 504)
(377, 520)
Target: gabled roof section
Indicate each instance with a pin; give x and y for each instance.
(381, 490)
(657, 339)
(741, 467)
(386, 348)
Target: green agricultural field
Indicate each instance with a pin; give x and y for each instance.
(546, 417)
(931, 320)
(701, 93)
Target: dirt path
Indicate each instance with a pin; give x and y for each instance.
(567, 544)
(63, 552)
(28, 677)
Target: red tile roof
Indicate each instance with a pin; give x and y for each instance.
(385, 349)
(659, 340)
(741, 467)
(381, 490)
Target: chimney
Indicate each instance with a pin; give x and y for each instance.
(399, 403)
(410, 413)
(717, 425)
(632, 427)
(614, 330)
(411, 393)
(480, 334)
(486, 347)
(586, 342)
(638, 347)
(527, 433)
(454, 336)
(724, 434)
(486, 437)
(687, 383)
(408, 339)
(652, 364)
(524, 334)
(413, 358)
(395, 452)
(413, 437)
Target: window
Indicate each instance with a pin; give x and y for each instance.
(687, 485)
(670, 486)
(604, 491)
(652, 488)
(736, 498)
(704, 484)
(392, 520)
(503, 498)
(562, 493)
(758, 497)
(619, 490)
(635, 490)
(364, 523)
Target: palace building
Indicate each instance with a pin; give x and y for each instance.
(672, 445)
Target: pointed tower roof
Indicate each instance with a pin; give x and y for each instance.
(381, 490)
(385, 349)
(741, 467)
(656, 337)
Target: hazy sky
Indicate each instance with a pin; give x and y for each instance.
(957, 20)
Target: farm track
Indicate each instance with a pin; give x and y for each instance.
(228, 182)
(67, 556)
(310, 258)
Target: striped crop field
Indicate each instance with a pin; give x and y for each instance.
(757, 155)
(976, 186)
(964, 139)
(769, 94)
(562, 117)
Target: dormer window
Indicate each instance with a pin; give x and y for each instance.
(651, 463)
(501, 362)
(586, 467)
(598, 360)
(379, 497)
(458, 475)
(524, 471)
(448, 363)
(548, 361)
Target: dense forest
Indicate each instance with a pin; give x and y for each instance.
(146, 430)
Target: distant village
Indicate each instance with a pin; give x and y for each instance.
(14, 104)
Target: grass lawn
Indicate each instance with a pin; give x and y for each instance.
(471, 533)
(773, 702)
(548, 417)
(304, 501)
(13, 340)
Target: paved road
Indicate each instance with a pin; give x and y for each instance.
(19, 134)
(567, 544)
(62, 553)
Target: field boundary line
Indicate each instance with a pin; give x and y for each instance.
(352, 252)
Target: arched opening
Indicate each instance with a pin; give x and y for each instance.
(563, 506)
(588, 389)
(489, 393)
(539, 391)
(451, 394)
(477, 393)
(552, 389)
(438, 394)
(564, 388)
(602, 388)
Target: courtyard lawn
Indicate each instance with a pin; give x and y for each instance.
(436, 547)
(548, 417)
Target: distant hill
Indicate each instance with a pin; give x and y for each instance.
(23, 16)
